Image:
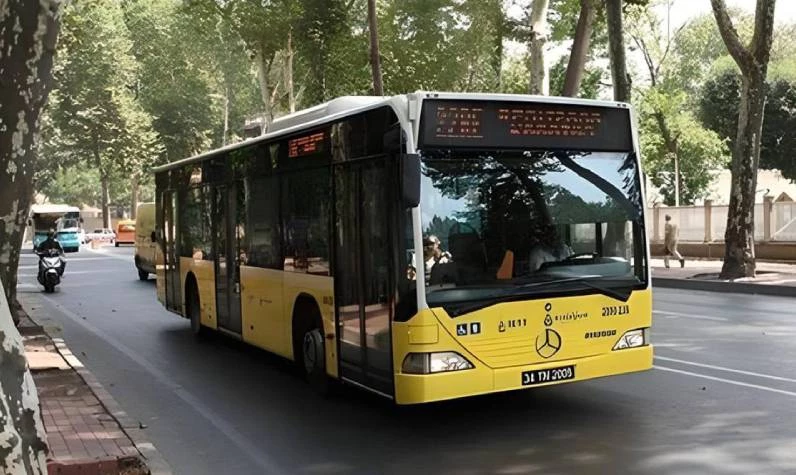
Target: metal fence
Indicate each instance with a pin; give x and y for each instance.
(773, 222)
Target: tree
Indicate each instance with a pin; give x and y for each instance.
(698, 151)
(539, 81)
(375, 59)
(94, 106)
(739, 257)
(28, 36)
(588, 86)
(616, 50)
(193, 76)
(719, 103)
(580, 48)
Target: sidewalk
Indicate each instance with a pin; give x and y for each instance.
(771, 279)
(87, 432)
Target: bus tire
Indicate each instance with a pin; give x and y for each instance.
(310, 346)
(193, 308)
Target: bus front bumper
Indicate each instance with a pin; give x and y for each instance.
(416, 389)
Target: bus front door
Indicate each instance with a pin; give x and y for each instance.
(227, 264)
(362, 274)
(172, 263)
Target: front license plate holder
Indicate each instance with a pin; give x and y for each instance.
(548, 375)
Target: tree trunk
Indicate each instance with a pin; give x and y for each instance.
(105, 197)
(580, 48)
(539, 82)
(225, 134)
(739, 254)
(616, 50)
(375, 54)
(263, 71)
(28, 35)
(133, 195)
(499, 21)
(739, 238)
(291, 97)
(24, 448)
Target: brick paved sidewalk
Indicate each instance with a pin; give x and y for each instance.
(87, 433)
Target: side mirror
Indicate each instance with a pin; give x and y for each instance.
(410, 179)
(153, 237)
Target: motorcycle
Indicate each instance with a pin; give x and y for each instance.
(51, 268)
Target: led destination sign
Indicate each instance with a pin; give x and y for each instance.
(305, 145)
(481, 124)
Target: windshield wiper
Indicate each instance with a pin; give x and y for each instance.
(511, 294)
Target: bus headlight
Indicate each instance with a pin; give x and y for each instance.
(427, 363)
(633, 339)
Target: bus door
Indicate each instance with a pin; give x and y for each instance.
(172, 263)
(227, 264)
(362, 277)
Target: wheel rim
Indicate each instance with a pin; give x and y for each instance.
(310, 352)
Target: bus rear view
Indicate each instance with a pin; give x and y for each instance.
(527, 253)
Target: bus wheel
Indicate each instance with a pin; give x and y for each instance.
(313, 359)
(193, 310)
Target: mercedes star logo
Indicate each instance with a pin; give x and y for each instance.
(548, 343)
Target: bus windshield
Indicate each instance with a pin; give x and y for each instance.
(497, 222)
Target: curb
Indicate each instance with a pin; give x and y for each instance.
(154, 461)
(725, 286)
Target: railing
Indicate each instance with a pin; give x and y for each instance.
(774, 222)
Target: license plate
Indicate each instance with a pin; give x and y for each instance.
(549, 375)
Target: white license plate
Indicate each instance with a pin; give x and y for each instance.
(549, 375)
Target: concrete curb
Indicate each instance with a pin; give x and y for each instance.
(724, 286)
(155, 462)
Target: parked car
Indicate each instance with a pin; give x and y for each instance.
(102, 235)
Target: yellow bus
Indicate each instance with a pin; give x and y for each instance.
(424, 247)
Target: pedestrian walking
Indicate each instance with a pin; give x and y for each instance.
(671, 236)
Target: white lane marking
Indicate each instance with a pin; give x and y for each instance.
(688, 315)
(266, 463)
(728, 381)
(729, 370)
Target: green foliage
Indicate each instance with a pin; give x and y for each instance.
(700, 151)
(93, 109)
(77, 185)
(719, 103)
(189, 67)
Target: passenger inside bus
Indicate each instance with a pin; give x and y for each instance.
(433, 254)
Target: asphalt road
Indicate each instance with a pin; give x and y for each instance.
(722, 398)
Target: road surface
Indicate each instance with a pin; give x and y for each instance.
(721, 399)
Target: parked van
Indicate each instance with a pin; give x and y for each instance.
(125, 232)
(146, 247)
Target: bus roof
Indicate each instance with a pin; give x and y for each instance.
(348, 105)
(53, 209)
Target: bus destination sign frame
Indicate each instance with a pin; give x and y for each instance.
(528, 125)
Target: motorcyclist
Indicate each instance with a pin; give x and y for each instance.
(52, 244)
